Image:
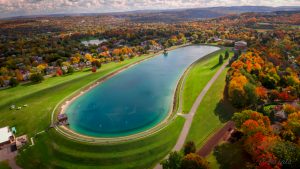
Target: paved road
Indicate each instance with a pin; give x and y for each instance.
(6, 154)
(223, 133)
(189, 117)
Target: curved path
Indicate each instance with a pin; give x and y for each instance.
(189, 117)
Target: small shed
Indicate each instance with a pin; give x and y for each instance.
(62, 117)
(21, 141)
(6, 136)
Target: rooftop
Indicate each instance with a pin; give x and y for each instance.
(5, 134)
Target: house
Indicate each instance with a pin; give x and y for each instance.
(240, 46)
(6, 136)
(280, 115)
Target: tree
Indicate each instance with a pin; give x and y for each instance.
(293, 123)
(189, 147)
(221, 59)
(94, 69)
(194, 161)
(59, 72)
(240, 117)
(251, 96)
(13, 82)
(261, 92)
(226, 54)
(288, 154)
(36, 78)
(236, 90)
(173, 161)
(96, 63)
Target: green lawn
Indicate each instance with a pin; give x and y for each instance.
(54, 151)
(4, 165)
(198, 76)
(212, 113)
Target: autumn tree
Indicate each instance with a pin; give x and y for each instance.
(19, 75)
(194, 161)
(236, 90)
(173, 161)
(293, 123)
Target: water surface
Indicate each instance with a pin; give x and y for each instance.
(134, 100)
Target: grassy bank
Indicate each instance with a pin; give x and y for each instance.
(212, 113)
(198, 76)
(54, 151)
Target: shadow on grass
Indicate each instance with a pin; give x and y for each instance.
(224, 109)
(214, 67)
(231, 156)
(29, 84)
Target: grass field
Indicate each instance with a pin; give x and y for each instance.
(4, 165)
(198, 76)
(54, 151)
(212, 112)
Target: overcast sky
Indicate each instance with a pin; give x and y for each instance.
(32, 7)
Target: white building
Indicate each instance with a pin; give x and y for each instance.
(6, 136)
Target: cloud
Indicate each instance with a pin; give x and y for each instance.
(30, 7)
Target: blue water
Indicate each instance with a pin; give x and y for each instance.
(134, 100)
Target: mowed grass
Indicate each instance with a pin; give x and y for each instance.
(43, 97)
(55, 151)
(4, 165)
(198, 76)
(212, 113)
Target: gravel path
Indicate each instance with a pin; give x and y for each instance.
(189, 117)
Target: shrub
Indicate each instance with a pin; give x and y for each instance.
(36, 78)
(194, 161)
(189, 147)
(70, 69)
(13, 82)
(221, 59)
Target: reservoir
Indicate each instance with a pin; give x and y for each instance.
(134, 100)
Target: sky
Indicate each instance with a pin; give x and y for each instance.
(35, 7)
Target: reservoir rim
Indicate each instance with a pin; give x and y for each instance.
(172, 114)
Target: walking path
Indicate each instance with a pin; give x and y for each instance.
(7, 155)
(189, 117)
(223, 133)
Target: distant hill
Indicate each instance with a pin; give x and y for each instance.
(175, 15)
(199, 13)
